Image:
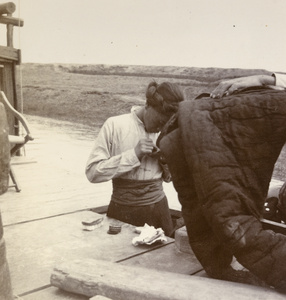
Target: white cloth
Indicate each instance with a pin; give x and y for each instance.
(280, 80)
(113, 154)
(148, 235)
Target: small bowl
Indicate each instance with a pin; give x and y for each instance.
(114, 229)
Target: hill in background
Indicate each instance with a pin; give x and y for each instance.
(88, 94)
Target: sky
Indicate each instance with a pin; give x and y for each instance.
(191, 33)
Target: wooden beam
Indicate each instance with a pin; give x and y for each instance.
(7, 8)
(12, 21)
(10, 53)
(96, 277)
(10, 29)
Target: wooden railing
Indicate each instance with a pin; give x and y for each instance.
(6, 11)
(9, 59)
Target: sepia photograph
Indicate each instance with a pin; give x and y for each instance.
(142, 150)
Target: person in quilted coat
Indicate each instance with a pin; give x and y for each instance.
(274, 209)
(221, 153)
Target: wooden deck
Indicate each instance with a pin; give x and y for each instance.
(42, 223)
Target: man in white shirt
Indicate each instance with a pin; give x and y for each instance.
(125, 152)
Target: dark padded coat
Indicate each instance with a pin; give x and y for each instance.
(221, 154)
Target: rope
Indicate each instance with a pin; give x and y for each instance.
(21, 102)
(20, 65)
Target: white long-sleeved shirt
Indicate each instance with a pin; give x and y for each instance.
(113, 154)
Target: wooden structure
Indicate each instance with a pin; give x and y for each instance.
(9, 59)
(16, 142)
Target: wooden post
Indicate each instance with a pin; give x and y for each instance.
(7, 8)
(4, 151)
(9, 57)
(9, 34)
(11, 21)
(5, 282)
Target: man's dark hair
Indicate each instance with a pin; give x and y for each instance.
(164, 97)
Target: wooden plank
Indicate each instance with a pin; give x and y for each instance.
(167, 258)
(11, 21)
(56, 182)
(34, 248)
(46, 198)
(52, 293)
(9, 53)
(91, 277)
(20, 160)
(7, 85)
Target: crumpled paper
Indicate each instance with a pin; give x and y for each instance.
(148, 235)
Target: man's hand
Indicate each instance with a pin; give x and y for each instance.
(228, 87)
(144, 146)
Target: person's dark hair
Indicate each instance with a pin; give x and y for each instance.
(164, 97)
